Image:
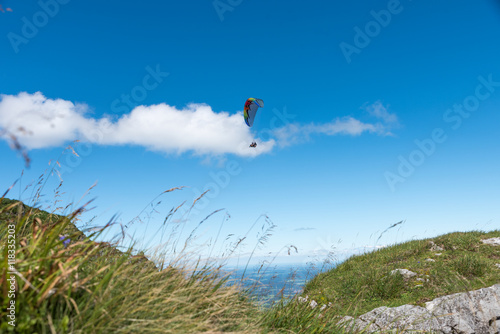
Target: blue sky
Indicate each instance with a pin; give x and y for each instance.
(375, 112)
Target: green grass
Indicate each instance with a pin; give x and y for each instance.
(93, 287)
(364, 282)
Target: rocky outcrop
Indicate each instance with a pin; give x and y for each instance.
(407, 274)
(434, 247)
(476, 312)
(492, 241)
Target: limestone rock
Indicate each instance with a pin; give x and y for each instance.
(405, 317)
(435, 248)
(492, 241)
(468, 312)
(461, 313)
(404, 272)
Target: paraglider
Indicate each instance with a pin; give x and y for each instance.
(249, 112)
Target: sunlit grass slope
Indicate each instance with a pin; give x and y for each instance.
(92, 287)
(86, 286)
(451, 263)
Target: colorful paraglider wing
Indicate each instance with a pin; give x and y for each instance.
(250, 110)
(246, 109)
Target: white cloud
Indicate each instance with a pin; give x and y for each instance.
(39, 122)
(378, 110)
(304, 229)
(196, 128)
(296, 133)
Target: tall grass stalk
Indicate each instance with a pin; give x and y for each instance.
(92, 287)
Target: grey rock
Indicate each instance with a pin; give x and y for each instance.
(492, 241)
(468, 312)
(405, 317)
(435, 248)
(471, 312)
(346, 321)
(313, 304)
(405, 272)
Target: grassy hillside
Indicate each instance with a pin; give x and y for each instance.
(92, 287)
(451, 263)
(464, 263)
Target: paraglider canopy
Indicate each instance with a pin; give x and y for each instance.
(250, 109)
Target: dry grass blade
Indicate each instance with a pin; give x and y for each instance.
(51, 324)
(16, 146)
(72, 150)
(10, 188)
(200, 197)
(387, 229)
(173, 189)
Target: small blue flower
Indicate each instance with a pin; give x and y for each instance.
(65, 240)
